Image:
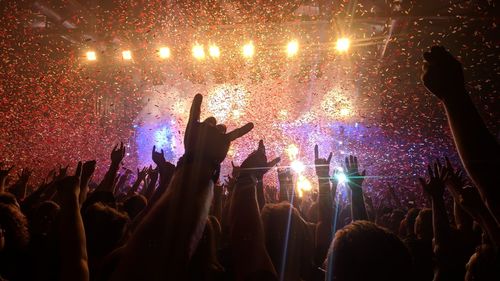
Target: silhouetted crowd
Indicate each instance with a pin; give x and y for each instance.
(181, 222)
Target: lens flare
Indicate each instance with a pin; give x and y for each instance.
(303, 185)
(214, 51)
(343, 45)
(91, 56)
(341, 177)
(198, 52)
(248, 50)
(127, 55)
(297, 166)
(164, 52)
(292, 48)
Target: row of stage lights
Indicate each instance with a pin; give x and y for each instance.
(248, 50)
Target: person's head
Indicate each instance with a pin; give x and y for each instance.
(8, 198)
(395, 218)
(281, 222)
(423, 224)
(13, 228)
(134, 205)
(409, 222)
(483, 265)
(42, 217)
(364, 251)
(105, 228)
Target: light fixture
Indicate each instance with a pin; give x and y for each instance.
(214, 51)
(127, 55)
(198, 52)
(248, 50)
(164, 52)
(91, 56)
(292, 48)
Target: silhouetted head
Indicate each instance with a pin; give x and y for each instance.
(134, 205)
(14, 228)
(283, 222)
(42, 217)
(8, 198)
(365, 251)
(423, 224)
(104, 229)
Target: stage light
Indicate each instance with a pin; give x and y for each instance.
(298, 166)
(164, 52)
(343, 45)
(127, 55)
(292, 48)
(341, 177)
(248, 50)
(214, 51)
(198, 52)
(303, 184)
(292, 150)
(345, 112)
(91, 56)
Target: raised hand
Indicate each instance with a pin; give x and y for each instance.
(118, 153)
(256, 163)
(434, 186)
(141, 174)
(443, 75)
(69, 186)
(158, 157)
(24, 176)
(355, 179)
(322, 165)
(88, 169)
(207, 140)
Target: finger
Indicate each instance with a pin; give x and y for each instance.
(114, 148)
(162, 152)
(329, 158)
(237, 133)
(316, 152)
(346, 164)
(363, 173)
(437, 174)
(355, 162)
(210, 121)
(78, 171)
(422, 182)
(221, 128)
(261, 147)
(121, 145)
(232, 164)
(154, 148)
(273, 162)
(195, 112)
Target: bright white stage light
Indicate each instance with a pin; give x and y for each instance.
(214, 51)
(248, 50)
(164, 52)
(127, 55)
(343, 45)
(292, 48)
(91, 56)
(345, 112)
(198, 52)
(341, 177)
(303, 184)
(298, 166)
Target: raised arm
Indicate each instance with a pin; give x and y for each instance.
(108, 183)
(72, 244)
(324, 231)
(478, 149)
(173, 228)
(355, 182)
(252, 262)
(4, 173)
(87, 172)
(447, 264)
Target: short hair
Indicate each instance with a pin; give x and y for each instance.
(365, 251)
(104, 228)
(134, 205)
(423, 224)
(8, 198)
(15, 225)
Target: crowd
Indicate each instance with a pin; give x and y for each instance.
(182, 222)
